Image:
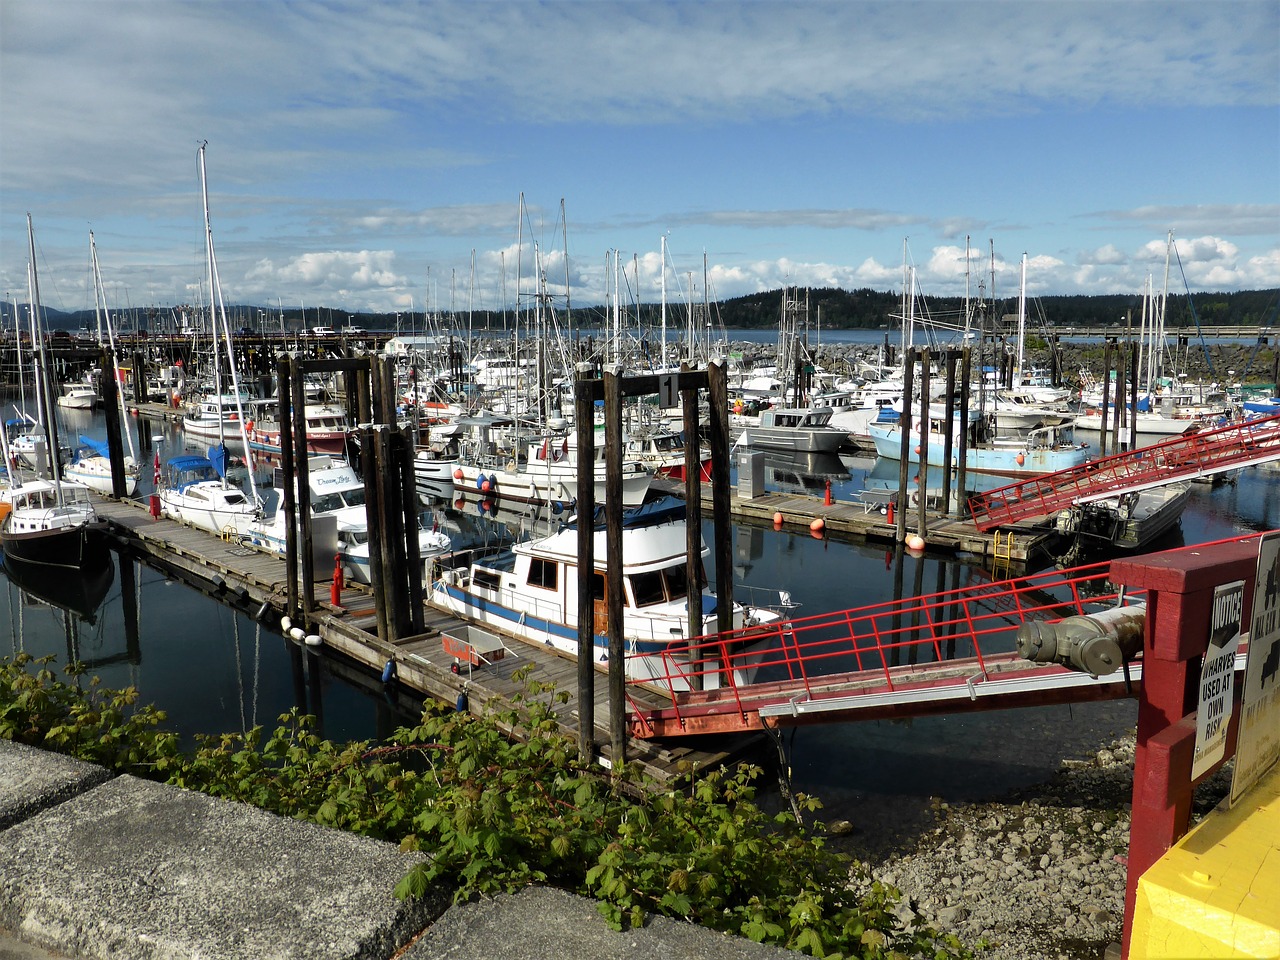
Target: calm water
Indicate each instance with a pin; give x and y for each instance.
(214, 669)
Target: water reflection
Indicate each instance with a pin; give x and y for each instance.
(212, 668)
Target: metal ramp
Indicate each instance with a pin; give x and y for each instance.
(952, 650)
(944, 652)
(1187, 457)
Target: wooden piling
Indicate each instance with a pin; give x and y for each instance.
(584, 425)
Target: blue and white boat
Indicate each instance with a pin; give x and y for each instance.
(1046, 449)
(530, 590)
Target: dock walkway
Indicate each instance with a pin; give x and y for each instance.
(249, 578)
(854, 520)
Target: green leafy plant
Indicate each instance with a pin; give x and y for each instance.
(502, 801)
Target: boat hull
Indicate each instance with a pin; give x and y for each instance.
(1004, 460)
(78, 549)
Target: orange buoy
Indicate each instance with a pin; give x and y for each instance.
(915, 542)
(777, 519)
(817, 524)
(458, 474)
(1020, 459)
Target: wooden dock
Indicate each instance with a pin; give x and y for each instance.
(856, 520)
(249, 578)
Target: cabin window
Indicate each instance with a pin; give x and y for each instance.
(489, 579)
(327, 503)
(542, 573)
(598, 587)
(647, 588)
(677, 581)
(235, 499)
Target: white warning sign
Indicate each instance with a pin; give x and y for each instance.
(1217, 677)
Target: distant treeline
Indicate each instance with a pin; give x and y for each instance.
(832, 308)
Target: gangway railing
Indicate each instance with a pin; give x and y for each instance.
(1241, 444)
(946, 651)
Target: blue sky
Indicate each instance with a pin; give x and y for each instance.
(372, 156)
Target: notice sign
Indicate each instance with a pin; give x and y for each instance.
(1217, 677)
(1258, 739)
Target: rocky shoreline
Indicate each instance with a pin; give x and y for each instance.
(1039, 874)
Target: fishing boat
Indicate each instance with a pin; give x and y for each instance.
(795, 430)
(1130, 521)
(1045, 449)
(195, 490)
(490, 464)
(214, 417)
(338, 492)
(662, 453)
(325, 424)
(530, 590)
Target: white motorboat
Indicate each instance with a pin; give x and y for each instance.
(337, 491)
(78, 396)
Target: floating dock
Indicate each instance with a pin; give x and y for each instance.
(864, 520)
(256, 582)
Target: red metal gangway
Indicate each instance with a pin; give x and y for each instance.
(943, 652)
(1191, 455)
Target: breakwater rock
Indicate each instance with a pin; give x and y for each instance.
(1040, 874)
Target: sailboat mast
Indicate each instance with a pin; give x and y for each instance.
(44, 388)
(1022, 316)
(99, 309)
(218, 312)
(663, 271)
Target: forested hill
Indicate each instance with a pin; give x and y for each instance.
(831, 308)
(872, 308)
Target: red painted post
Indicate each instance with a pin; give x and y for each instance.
(1180, 585)
(826, 500)
(335, 591)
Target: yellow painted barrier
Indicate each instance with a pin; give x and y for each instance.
(1216, 893)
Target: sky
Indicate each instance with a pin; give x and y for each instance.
(432, 156)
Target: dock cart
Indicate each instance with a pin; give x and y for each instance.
(474, 646)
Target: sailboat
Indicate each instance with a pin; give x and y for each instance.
(196, 489)
(92, 465)
(49, 523)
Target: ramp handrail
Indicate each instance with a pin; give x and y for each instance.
(1207, 452)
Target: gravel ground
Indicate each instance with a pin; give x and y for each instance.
(1040, 874)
